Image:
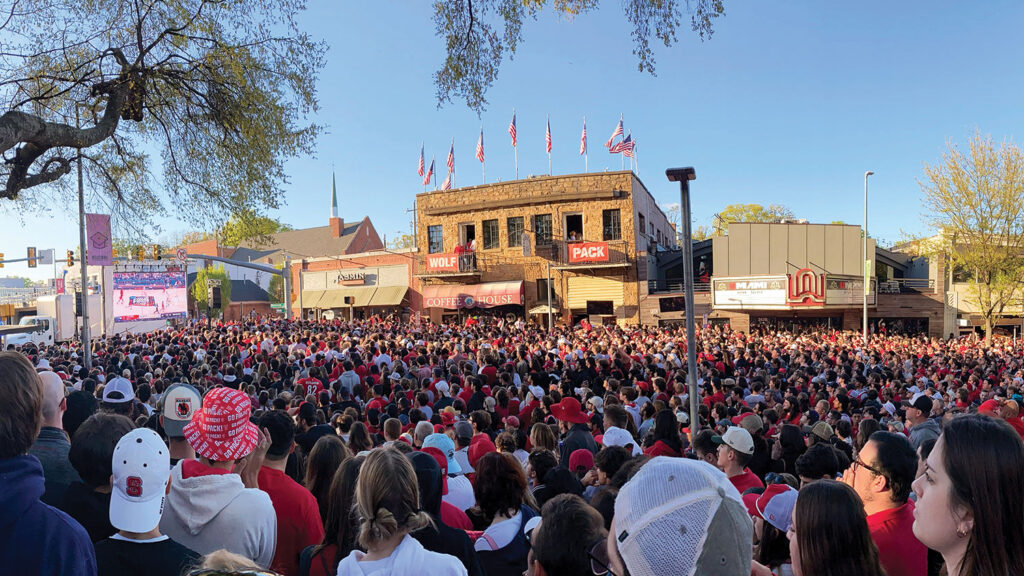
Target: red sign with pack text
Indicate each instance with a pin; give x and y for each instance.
(588, 252)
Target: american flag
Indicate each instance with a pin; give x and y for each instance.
(451, 158)
(430, 172)
(512, 128)
(547, 137)
(480, 148)
(583, 139)
(618, 132)
(625, 146)
(420, 171)
(447, 184)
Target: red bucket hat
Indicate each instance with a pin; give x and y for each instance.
(221, 430)
(569, 410)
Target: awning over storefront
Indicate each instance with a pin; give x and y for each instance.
(486, 295)
(543, 309)
(336, 298)
(389, 296)
(311, 298)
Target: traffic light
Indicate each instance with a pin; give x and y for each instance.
(31, 257)
(70, 259)
(114, 253)
(78, 303)
(1, 259)
(155, 248)
(140, 253)
(213, 297)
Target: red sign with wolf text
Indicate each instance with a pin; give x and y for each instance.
(442, 262)
(588, 252)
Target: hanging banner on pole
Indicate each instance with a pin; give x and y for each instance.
(100, 246)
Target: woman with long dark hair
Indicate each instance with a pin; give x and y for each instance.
(325, 458)
(665, 437)
(970, 507)
(829, 534)
(787, 448)
(341, 523)
(359, 438)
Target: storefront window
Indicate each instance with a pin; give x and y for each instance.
(490, 234)
(542, 228)
(612, 224)
(435, 239)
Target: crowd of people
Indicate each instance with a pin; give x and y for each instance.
(384, 448)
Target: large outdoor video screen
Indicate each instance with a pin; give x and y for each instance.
(149, 296)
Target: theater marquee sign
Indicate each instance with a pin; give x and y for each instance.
(802, 290)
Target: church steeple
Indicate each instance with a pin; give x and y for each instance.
(334, 197)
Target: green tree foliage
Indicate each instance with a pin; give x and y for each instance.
(199, 292)
(276, 287)
(221, 90)
(479, 34)
(402, 242)
(750, 213)
(248, 225)
(975, 200)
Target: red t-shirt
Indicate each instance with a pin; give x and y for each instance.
(298, 519)
(311, 385)
(660, 448)
(900, 553)
(746, 481)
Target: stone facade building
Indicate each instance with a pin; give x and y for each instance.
(493, 247)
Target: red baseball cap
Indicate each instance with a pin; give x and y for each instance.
(988, 407)
(569, 410)
(447, 418)
(511, 421)
(581, 458)
(221, 430)
(442, 461)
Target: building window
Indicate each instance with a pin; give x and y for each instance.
(612, 223)
(542, 229)
(435, 239)
(515, 231)
(490, 234)
(643, 224)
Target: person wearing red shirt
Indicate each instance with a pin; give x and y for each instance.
(735, 449)
(298, 515)
(881, 475)
(1009, 410)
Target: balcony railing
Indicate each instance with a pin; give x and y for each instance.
(907, 285)
(449, 264)
(669, 285)
(585, 254)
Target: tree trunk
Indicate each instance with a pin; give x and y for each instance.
(988, 331)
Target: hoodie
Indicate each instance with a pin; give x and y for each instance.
(207, 510)
(410, 558)
(36, 538)
(442, 538)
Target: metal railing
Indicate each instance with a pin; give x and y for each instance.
(669, 285)
(24, 295)
(906, 285)
(558, 251)
(466, 263)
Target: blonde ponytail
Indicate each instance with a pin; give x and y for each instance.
(387, 498)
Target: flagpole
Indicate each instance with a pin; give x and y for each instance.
(483, 164)
(453, 163)
(515, 145)
(586, 149)
(547, 132)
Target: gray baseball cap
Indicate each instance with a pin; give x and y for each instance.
(177, 405)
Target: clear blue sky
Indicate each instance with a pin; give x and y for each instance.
(789, 102)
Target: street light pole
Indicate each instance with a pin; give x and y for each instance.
(683, 176)
(86, 352)
(864, 263)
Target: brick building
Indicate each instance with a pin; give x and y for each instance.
(493, 247)
(361, 284)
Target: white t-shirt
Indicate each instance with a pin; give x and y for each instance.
(501, 533)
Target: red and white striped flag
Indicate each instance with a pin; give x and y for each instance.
(447, 184)
(547, 137)
(617, 132)
(451, 157)
(480, 147)
(430, 173)
(512, 129)
(583, 139)
(420, 171)
(629, 145)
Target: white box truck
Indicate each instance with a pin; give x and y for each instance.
(56, 322)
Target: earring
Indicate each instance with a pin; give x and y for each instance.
(961, 532)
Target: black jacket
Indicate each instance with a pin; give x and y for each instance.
(579, 436)
(443, 539)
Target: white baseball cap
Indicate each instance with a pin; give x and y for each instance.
(142, 467)
(615, 436)
(681, 516)
(736, 438)
(180, 403)
(122, 388)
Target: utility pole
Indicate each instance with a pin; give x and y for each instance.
(86, 352)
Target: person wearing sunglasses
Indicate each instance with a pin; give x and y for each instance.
(882, 475)
(567, 539)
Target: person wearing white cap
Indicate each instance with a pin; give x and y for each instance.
(679, 516)
(141, 466)
(177, 406)
(735, 450)
(52, 445)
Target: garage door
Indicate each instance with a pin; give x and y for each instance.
(583, 288)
